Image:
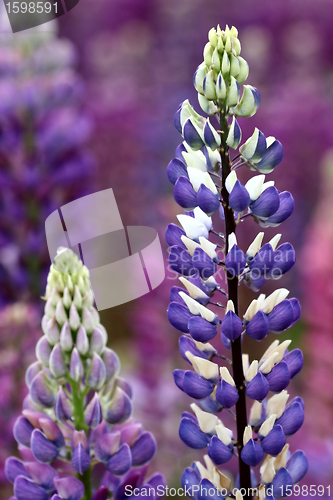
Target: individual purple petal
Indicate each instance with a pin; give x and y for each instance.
(226, 394)
(262, 262)
(120, 462)
(210, 405)
(203, 263)
(255, 284)
(55, 497)
(282, 483)
(297, 466)
(43, 450)
(187, 344)
(93, 413)
(296, 310)
(176, 119)
(80, 459)
(184, 194)
(119, 409)
(239, 197)
(257, 328)
(218, 451)
(284, 260)
(207, 491)
(43, 351)
(295, 361)
(173, 236)
(63, 407)
(14, 468)
(32, 371)
(97, 373)
(192, 136)
(174, 294)
(284, 211)
(258, 387)
(201, 330)
(252, 453)
(267, 204)
(143, 449)
(279, 377)
(209, 136)
(271, 158)
(176, 169)
(179, 316)
(52, 431)
(281, 317)
(26, 489)
(191, 434)
(292, 418)
(274, 441)
(190, 478)
(57, 365)
(180, 149)
(76, 368)
(42, 474)
(101, 494)
(178, 376)
(207, 200)
(235, 261)
(69, 488)
(107, 445)
(231, 326)
(225, 341)
(180, 261)
(197, 386)
(111, 363)
(22, 431)
(41, 392)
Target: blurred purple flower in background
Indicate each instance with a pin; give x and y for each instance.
(44, 162)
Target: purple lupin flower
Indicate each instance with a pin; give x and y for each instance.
(78, 412)
(44, 160)
(261, 438)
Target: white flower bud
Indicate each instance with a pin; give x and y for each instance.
(233, 92)
(236, 46)
(216, 60)
(199, 76)
(225, 68)
(227, 44)
(212, 37)
(60, 313)
(67, 299)
(209, 86)
(207, 106)
(49, 308)
(221, 89)
(207, 53)
(234, 66)
(77, 298)
(249, 102)
(74, 318)
(243, 70)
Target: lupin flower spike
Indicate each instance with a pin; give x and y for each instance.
(78, 412)
(205, 180)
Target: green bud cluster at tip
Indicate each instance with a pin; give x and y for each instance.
(218, 77)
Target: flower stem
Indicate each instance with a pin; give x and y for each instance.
(78, 415)
(236, 345)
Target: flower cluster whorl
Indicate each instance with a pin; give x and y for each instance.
(196, 173)
(78, 412)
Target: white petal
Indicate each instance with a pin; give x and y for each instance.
(207, 422)
(254, 186)
(208, 247)
(190, 244)
(269, 351)
(281, 459)
(255, 414)
(277, 403)
(202, 366)
(267, 365)
(204, 218)
(252, 371)
(275, 241)
(193, 161)
(194, 291)
(255, 245)
(267, 426)
(251, 310)
(230, 306)
(225, 375)
(193, 227)
(245, 362)
(232, 240)
(230, 181)
(206, 313)
(191, 303)
(247, 434)
(223, 434)
(274, 299)
(268, 472)
(204, 347)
